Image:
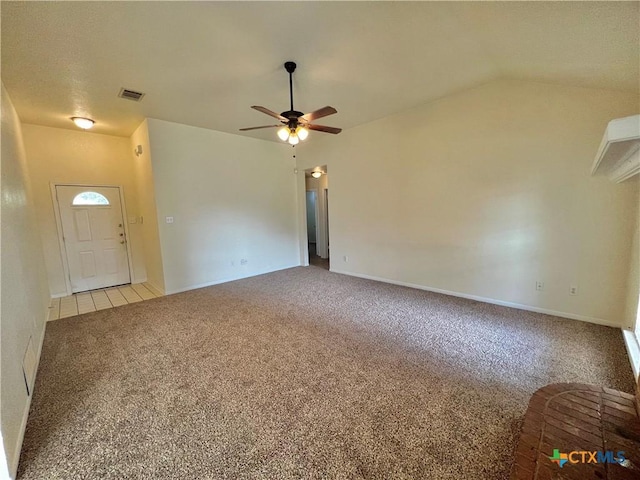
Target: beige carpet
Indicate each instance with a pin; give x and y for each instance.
(301, 374)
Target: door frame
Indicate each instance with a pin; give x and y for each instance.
(56, 213)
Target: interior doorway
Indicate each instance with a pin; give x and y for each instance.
(312, 221)
(93, 236)
(317, 194)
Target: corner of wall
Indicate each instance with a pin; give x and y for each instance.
(148, 213)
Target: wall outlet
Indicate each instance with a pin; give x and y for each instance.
(169, 219)
(573, 290)
(244, 261)
(539, 286)
(345, 258)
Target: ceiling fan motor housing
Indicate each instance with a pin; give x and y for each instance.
(292, 115)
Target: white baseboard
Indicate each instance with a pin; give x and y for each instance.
(493, 301)
(230, 279)
(59, 295)
(633, 349)
(13, 462)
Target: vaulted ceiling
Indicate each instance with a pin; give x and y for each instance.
(206, 63)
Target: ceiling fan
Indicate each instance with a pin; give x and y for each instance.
(294, 125)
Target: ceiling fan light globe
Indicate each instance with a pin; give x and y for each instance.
(283, 134)
(303, 133)
(293, 139)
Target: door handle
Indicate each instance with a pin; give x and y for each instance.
(122, 242)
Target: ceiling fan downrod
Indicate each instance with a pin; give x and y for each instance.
(290, 67)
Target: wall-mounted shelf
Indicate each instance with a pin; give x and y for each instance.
(619, 153)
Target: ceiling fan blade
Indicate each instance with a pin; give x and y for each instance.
(256, 128)
(269, 112)
(322, 112)
(322, 128)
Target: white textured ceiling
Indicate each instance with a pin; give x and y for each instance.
(206, 63)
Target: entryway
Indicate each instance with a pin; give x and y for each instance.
(312, 221)
(93, 236)
(317, 197)
(86, 302)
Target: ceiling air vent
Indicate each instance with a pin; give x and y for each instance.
(130, 95)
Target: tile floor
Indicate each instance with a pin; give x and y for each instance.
(94, 300)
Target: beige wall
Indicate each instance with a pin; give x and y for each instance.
(231, 198)
(484, 193)
(77, 157)
(25, 296)
(148, 228)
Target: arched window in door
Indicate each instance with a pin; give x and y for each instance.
(90, 198)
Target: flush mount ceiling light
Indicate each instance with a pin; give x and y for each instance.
(316, 174)
(295, 125)
(83, 123)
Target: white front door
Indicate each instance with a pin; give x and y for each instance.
(94, 236)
